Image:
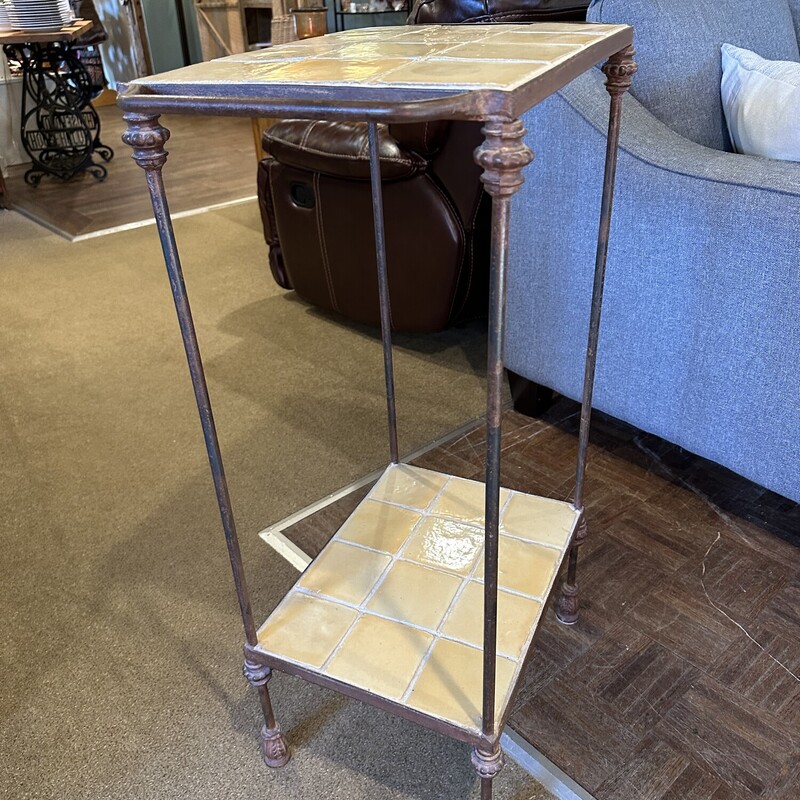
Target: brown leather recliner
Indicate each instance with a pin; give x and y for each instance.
(316, 202)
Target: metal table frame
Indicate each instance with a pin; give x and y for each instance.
(503, 157)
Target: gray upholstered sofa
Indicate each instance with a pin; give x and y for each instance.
(700, 340)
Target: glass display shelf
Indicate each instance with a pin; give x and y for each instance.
(394, 603)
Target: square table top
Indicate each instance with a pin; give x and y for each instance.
(472, 70)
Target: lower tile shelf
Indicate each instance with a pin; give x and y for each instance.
(394, 603)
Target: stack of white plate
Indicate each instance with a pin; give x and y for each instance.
(39, 16)
(5, 22)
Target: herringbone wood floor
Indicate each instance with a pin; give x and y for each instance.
(680, 681)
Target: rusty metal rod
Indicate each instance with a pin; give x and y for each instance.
(601, 257)
(167, 236)
(383, 287)
(494, 395)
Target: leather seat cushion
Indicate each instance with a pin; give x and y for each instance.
(339, 149)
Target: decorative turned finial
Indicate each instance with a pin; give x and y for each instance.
(503, 155)
(581, 532)
(487, 765)
(256, 674)
(567, 608)
(274, 749)
(147, 138)
(619, 71)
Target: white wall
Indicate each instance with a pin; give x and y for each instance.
(123, 59)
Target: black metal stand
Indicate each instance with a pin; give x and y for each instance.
(60, 129)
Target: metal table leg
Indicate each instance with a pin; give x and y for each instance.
(503, 156)
(619, 71)
(147, 138)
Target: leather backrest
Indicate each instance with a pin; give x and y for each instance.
(339, 149)
(451, 11)
(678, 51)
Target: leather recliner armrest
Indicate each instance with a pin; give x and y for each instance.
(452, 11)
(340, 149)
(423, 138)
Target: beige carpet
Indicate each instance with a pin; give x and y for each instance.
(120, 648)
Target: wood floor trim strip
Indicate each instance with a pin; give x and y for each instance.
(289, 550)
(145, 222)
(129, 226)
(540, 767)
(268, 533)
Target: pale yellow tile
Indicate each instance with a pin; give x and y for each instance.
(380, 656)
(565, 28)
(329, 70)
(305, 629)
(453, 73)
(443, 33)
(516, 617)
(450, 685)
(379, 525)
(575, 41)
(524, 566)
(415, 594)
(217, 72)
(364, 50)
(383, 32)
(408, 486)
(445, 544)
(344, 572)
(305, 48)
(539, 519)
(511, 51)
(464, 500)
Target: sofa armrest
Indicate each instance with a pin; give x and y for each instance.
(649, 140)
(700, 338)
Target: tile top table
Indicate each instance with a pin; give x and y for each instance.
(427, 602)
(478, 70)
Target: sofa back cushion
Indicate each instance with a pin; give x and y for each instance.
(794, 5)
(678, 45)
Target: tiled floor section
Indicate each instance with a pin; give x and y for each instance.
(394, 603)
(656, 693)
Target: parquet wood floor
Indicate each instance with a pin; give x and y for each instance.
(212, 160)
(680, 681)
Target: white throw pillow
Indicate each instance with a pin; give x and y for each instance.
(761, 99)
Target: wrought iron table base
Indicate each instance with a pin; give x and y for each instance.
(503, 157)
(60, 129)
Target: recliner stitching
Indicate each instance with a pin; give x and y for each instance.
(395, 160)
(323, 246)
(308, 133)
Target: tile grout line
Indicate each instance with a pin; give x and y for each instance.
(475, 526)
(532, 760)
(362, 607)
(446, 616)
